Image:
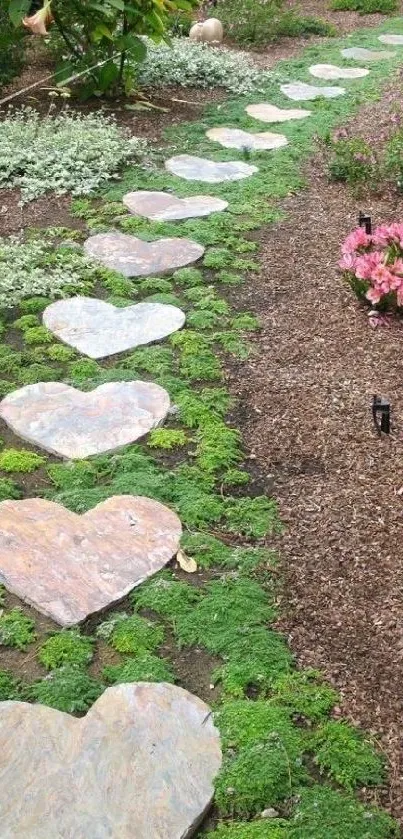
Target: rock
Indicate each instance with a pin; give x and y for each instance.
(393, 40)
(75, 425)
(136, 258)
(301, 91)
(161, 206)
(331, 72)
(270, 813)
(234, 138)
(140, 765)
(362, 54)
(69, 566)
(97, 329)
(210, 171)
(270, 113)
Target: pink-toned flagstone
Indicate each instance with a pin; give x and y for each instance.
(75, 425)
(99, 329)
(69, 566)
(140, 765)
(135, 258)
(330, 72)
(210, 171)
(162, 206)
(265, 112)
(235, 138)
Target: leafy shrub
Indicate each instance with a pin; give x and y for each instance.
(20, 460)
(70, 152)
(341, 750)
(373, 265)
(192, 64)
(66, 647)
(11, 48)
(352, 161)
(263, 21)
(366, 7)
(68, 689)
(16, 629)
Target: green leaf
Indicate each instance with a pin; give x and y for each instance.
(17, 9)
(101, 31)
(107, 75)
(117, 4)
(134, 45)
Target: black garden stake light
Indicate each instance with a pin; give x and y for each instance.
(365, 221)
(381, 406)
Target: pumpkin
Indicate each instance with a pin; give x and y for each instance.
(210, 31)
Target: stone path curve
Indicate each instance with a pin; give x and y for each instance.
(163, 206)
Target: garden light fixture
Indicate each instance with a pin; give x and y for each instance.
(365, 221)
(381, 406)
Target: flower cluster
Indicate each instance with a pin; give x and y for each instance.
(374, 264)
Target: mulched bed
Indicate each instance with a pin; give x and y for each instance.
(306, 397)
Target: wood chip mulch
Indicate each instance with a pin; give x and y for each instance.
(306, 400)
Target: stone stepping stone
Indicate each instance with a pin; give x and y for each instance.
(135, 258)
(393, 40)
(98, 329)
(331, 72)
(68, 566)
(75, 425)
(362, 54)
(161, 206)
(210, 171)
(139, 765)
(270, 113)
(234, 138)
(304, 92)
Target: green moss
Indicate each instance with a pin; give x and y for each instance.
(78, 473)
(8, 489)
(68, 689)
(20, 460)
(9, 686)
(255, 517)
(262, 829)
(16, 629)
(37, 335)
(39, 373)
(244, 722)
(26, 322)
(218, 258)
(9, 361)
(154, 359)
(218, 447)
(306, 693)
(57, 352)
(229, 278)
(144, 668)
(323, 813)
(84, 368)
(210, 552)
(255, 658)
(188, 277)
(116, 284)
(131, 634)
(203, 320)
(33, 305)
(66, 647)
(167, 299)
(341, 750)
(156, 284)
(166, 438)
(166, 596)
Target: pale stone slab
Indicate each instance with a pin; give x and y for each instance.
(75, 425)
(234, 138)
(69, 566)
(305, 92)
(140, 765)
(161, 206)
(270, 113)
(330, 72)
(135, 258)
(362, 54)
(393, 40)
(98, 329)
(210, 171)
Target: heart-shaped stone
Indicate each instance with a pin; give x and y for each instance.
(210, 171)
(136, 258)
(331, 72)
(140, 765)
(98, 329)
(75, 425)
(161, 206)
(234, 138)
(300, 91)
(270, 113)
(393, 40)
(69, 566)
(362, 54)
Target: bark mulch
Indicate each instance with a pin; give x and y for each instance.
(306, 397)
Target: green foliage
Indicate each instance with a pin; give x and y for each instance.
(217, 258)
(394, 158)
(16, 629)
(9, 490)
(26, 322)
(166, 438)
(9, 686)
(68, 689)
(197, 361)
(11, 48)
(254, 517)
(210, 552)
(66, 647)
(258, 22)
(38, 373)
(262, 829)
(306, 693)
(156, 284)
(341, 750)
(254, 658)
(323, 813)
(57, 352)
(353, 161)
(154, 359)
(131, 634)
(34, 305)
(366, 7)
(144, 668)
(244, 722)
(218, 447)
(188, 277)
(170, 598)
(20, 460)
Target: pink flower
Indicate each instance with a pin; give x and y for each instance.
(373, 295)
(348, 262)
(355, 240)
(397, 266)
(383, 278)
(366, 265)
(388, 234)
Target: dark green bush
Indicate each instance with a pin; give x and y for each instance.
(366, 7)
(352, 161)
(11, 48)
(259, 22)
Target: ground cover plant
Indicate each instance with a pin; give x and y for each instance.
(278, 732)
(259, 22)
